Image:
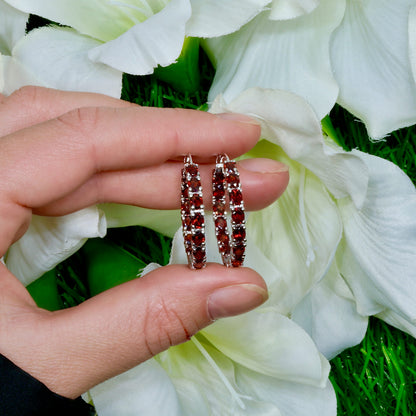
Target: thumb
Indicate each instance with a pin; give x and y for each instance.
(124, 326)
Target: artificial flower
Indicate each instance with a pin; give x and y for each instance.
(352, 52)
(138, 35)
(50, 240)
(254, 364)
(343, 235)
(53, 57)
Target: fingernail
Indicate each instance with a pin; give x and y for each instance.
(263, 165)
(234, 300)
(241, 118)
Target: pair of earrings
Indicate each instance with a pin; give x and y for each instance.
(226, 187)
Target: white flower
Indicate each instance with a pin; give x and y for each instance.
(53, 57)
(343, 235)
(135, 36)
(352, 52)
(255, 364)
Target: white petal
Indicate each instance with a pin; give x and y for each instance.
(397, 321)
(290, 55)
(289, 9)
(205, 382)
(299, 233)
(288, 121)
(217, 17)
(156, 41)
(292, 399)
(164, 221)
(370, 58)
(329, 315)
(12, 27)
(270, 344)
(16, 75)
(102, 20)
(412, 39)
(58, 58)
(377, 257)
(143, 390)
(50, 240)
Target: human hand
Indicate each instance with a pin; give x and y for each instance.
(62, 151)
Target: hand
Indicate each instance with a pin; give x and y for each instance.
(62, 151)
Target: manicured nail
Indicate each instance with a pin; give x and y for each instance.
(234, 300)
(263, 165)
(241, 118)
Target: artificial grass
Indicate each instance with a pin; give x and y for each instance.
(377, 377)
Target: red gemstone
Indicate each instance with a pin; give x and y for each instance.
(194, 184)
(236, 196)
(218, 190)
(223, 238)
(188, 242)
(218, 176)
(239, 234)
(230, 166)
(196, 201)
(237, 262)
(185, 206)
(219, 207)
(238, 216)
(199, 254)
(238, 251)
(198, 239)
(197, 220)
(221, 224)
(187, 221)
(192, 169)
(233, 179)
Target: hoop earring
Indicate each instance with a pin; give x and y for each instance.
(192, 215)
(226, 185)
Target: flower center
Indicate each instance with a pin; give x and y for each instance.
(237, 397)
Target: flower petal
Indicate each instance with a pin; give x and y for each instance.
(289, 9)
(217, 17)
(156, 41)
(394, 319)
(306, 216)
(270, 344)
(205, 382)
(328, 314)
(145, 389)
(370, 58)
(412, 39)
(12, 27)
(292, 399)
(15, 75)
(57, 58)
(299, 233)
(50, 240)
(289, 122)
(377, 256)
(165, 222)
(290, 55)
(102, 20)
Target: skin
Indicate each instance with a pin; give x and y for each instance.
(63, 151)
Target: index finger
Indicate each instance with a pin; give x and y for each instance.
(47, 161)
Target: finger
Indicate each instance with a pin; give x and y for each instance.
(263, 181)
(48, 161)
(124, 326)
(32, 105)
